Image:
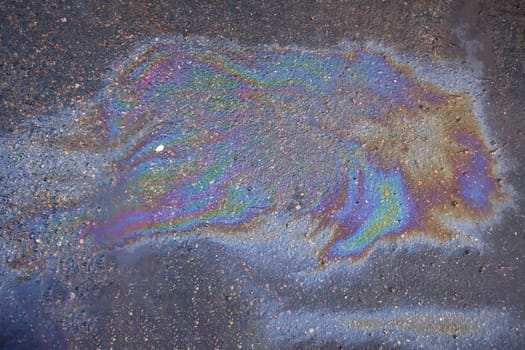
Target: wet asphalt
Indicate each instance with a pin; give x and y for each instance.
(199, 294)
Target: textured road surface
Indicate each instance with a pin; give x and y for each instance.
(58, 289)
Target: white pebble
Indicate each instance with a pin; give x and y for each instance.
(159, 148)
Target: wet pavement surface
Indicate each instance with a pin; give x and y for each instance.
(82, 269)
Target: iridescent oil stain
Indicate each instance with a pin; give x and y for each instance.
(200, 134)
(208, 177)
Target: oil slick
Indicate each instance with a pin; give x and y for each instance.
(347, 137)
(403, 328)
(200, 134)
(295, 160)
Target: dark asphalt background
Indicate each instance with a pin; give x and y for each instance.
(57, 54)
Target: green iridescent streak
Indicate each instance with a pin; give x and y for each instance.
(225, 63)
(211, 81)
(233, 203)
(230, 205)
(309, 64)
(207, 180)
(156, 181)
(224, 103)
(384, 216)
(316, 68)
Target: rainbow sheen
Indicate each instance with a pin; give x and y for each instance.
(208, 134)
